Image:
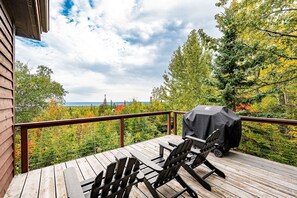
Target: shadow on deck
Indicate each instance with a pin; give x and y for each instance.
(246, 176)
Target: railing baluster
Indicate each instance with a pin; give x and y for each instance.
(24, 150)
(168, 123)
(122, 132)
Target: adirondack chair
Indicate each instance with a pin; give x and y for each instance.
(159, 171)
(119, 179)
(198, 157)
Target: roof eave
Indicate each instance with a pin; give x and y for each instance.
(31, 17)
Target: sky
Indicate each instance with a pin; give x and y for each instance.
(120, 48)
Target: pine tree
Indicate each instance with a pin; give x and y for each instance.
(236, 66)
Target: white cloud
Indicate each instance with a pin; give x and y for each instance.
(118, 48)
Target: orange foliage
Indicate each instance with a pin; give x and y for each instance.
(241, 107)
(119, 108)
(30, 146)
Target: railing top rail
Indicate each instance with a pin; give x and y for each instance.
(52, 123)
(31, 125)
(269, 120)
(259, 119)
(179, 112)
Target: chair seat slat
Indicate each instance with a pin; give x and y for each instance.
(151, 175)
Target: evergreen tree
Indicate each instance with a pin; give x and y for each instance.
(236, 66)
(271, 25)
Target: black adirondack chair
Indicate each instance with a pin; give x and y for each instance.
(198, 157)
(119, 179)
(159, 171)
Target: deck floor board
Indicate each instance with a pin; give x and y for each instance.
(246, 175)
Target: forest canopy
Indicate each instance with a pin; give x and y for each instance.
(252, 68)
(34, 91)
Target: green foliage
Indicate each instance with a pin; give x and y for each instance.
(236, 67)
(48, 146)
(256, 66)
(254, 73)
(184, 86)
(34, 91)
(272, 142)
(269, 28)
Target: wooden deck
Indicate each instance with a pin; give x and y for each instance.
(246, 176)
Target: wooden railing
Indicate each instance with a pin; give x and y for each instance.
(24, 127)
(243, 118)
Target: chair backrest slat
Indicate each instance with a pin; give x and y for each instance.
(129, 167)
(119, 178)
(130, 163)
(208, 146)
(96, 185)
(127, 192)
(108, 178)
(120, 168)
(173, 162)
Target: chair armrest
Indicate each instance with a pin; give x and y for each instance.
(174, 143)
(164, 146)
(195, 151)
(146, 161)
(195, 139)
(73, 186)
(140, 176)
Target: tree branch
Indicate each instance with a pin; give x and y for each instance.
(272, 83)
(279, 82)
(277, 33)
(280, 10)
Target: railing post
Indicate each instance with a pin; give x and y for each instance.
(168, 123)
(174, 123)
(24, 150)
(122, 131)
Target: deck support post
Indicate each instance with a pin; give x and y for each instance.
(122, 131)
(174, 123)
(169, 123)
(24, 150)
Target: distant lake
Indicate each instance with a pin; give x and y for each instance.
(78, 104)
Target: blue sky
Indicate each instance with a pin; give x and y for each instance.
(112, 47)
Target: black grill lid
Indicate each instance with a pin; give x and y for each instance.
(203, 120)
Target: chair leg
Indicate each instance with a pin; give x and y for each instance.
(216, 170)
(152, 190)
(197, 177)
(186, 186)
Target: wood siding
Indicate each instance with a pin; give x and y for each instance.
(6, 100)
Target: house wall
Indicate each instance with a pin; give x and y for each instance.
(6, 100)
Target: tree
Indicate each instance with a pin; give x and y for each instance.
(34, 91)
(237, 65)
(184, 85)
(271, 26)
(274, 24)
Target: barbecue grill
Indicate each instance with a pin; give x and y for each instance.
(203, 120)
